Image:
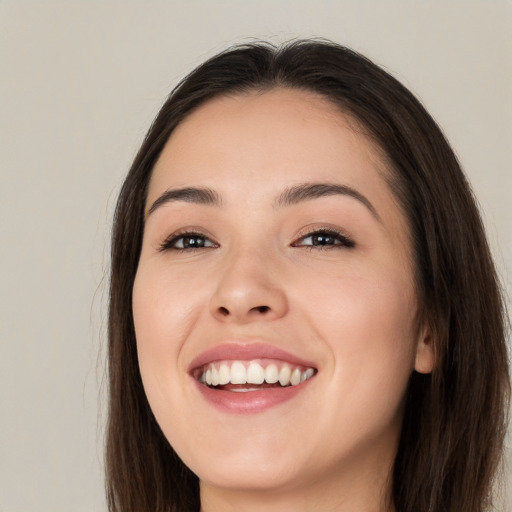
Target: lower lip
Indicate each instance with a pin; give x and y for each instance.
(250, 401)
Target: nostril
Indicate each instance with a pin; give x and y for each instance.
(262, 309)
(223, 311)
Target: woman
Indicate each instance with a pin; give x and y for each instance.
(304, 312)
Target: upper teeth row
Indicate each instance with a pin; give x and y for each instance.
(237, 373)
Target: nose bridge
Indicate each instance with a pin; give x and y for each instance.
(248, 287)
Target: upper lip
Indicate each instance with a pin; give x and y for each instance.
(246, 352)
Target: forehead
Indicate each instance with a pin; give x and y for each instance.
(268, 137)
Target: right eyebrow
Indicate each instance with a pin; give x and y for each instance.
(197, 195)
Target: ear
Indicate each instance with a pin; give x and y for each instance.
(424, 362)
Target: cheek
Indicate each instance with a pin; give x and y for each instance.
(164, 305)
(369, 328)
(163, 320)
(368, 323)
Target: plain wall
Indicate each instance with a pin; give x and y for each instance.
(79, 85)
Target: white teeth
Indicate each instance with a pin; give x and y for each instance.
(284, 375)
(238, 373)
(271, 374)
(255, 374)
(215, 376)
(295, 377)
(308, 374)
(224, 374)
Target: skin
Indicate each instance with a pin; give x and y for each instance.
(350, 310)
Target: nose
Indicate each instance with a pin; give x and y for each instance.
(248, 290)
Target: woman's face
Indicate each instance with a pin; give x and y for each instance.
(274, 250)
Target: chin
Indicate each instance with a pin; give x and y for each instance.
(250, 476)
(257, 467)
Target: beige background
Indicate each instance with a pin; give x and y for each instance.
(80, 83)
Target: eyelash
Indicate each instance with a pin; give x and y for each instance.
(344, 241)
(170, 242)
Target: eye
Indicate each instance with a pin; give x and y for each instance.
(324, 239)
(186, 242)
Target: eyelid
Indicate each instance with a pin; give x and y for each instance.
(169, 241)
(346, 241)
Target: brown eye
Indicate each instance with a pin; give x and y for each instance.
(187, 241)
(324, 239)
(190, 242)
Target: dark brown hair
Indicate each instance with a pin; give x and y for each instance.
(455, 418)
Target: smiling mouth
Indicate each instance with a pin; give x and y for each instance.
(254, 375)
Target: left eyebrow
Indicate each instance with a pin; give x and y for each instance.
(307, 191)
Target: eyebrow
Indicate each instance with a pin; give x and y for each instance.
(307, 191)
(291, 196)
(197, 195)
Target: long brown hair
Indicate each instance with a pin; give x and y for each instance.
(455, 418)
